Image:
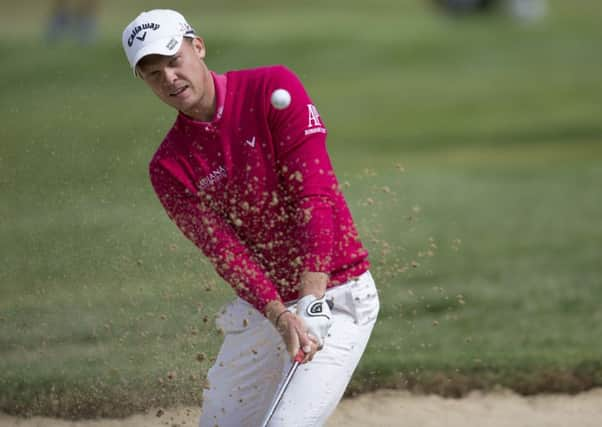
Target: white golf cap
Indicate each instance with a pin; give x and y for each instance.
(156, 32)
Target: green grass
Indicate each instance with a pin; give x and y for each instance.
(485, 247)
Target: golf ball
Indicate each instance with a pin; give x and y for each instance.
(281, 99)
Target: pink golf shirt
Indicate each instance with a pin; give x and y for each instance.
(254, 189)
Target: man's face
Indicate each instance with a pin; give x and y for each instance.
(180, 80)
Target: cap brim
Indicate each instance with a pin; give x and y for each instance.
(158, 47)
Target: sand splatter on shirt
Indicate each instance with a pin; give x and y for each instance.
(255, 190)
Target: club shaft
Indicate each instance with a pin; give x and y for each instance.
(280, 393)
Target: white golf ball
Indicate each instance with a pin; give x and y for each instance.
(280, 99)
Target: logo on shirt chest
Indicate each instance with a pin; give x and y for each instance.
(250, 142)
(214, 177)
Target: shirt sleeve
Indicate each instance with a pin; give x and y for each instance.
(232, 260)
(299, 137)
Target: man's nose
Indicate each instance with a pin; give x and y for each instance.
(169, 75)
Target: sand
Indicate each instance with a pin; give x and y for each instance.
(397, 408)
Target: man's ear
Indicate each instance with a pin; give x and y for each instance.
(198, 44)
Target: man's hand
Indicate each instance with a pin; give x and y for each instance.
(316, 315)
(298, 330)
(292, 329)
(295, 336)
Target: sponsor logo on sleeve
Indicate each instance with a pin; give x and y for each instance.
(314, 125)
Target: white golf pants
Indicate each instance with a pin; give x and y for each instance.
(253, 361)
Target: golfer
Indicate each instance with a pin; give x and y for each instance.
(253, 187)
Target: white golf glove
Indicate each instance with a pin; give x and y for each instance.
(316, 315)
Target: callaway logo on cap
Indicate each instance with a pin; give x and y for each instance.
(156, 32)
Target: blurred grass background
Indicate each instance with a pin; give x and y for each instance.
(470, 152)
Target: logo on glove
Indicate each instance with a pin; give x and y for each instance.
(315, 309)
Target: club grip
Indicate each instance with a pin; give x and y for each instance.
(299, 357)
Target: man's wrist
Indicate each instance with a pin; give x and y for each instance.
(313, 283)
(273, 309)
(282, 313)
